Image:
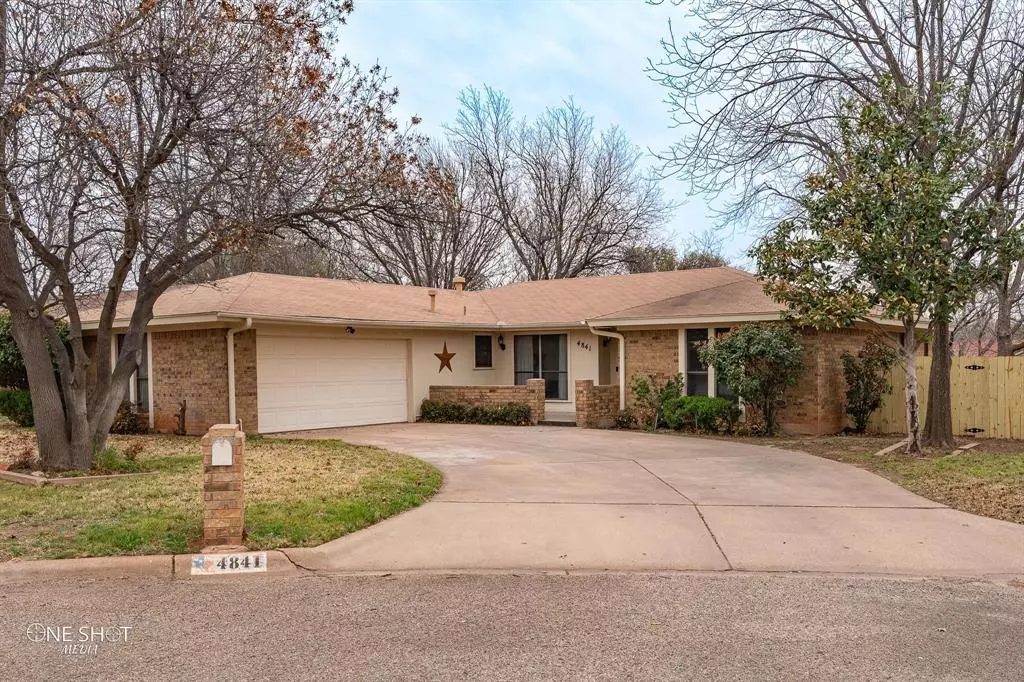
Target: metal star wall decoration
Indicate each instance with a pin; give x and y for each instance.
(446, 359)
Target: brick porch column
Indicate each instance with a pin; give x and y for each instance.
(536, 401)
(584, 389)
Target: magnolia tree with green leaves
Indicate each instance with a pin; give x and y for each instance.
(881, 232)
(759, 363)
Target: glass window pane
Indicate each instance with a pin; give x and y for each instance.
(721, 390)
(696, 383)
(695, 338)
(142, 378)
(142, 391)
(555, 385)
(120, 342)
(525, 359)
(553, 352)
(554, 365)
(483, 351)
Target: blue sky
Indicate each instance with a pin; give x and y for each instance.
(539, 52)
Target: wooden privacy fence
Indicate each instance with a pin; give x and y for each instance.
(988, 398)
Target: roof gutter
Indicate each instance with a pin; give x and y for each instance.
(232, 415)
(732, 318)
(689, 319)
(622, 359)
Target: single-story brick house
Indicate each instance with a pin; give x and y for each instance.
(280, 353)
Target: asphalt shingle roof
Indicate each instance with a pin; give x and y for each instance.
(710, 291)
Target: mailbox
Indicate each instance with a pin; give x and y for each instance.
(222, 452)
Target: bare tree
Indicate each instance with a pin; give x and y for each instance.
(651, 258)
(570, 201)
(760, 87)
(702, 250)
(288, 253)
(976, 327)
(444, 226)
(137, 141)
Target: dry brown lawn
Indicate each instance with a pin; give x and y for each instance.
(298, 493)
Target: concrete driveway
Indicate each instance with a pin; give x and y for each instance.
(557, 498)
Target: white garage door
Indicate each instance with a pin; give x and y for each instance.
(309, 382)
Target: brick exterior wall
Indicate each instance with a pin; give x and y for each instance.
(653, 352)
(596, 406)
(815, 405)
(245, 380)
(532, 394)
(192, 365)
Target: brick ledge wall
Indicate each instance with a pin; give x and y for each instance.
(490, 396)
(596, 405)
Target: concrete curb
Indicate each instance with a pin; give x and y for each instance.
(278, 563)
(155, 566)
(293, 563)
(13, 572)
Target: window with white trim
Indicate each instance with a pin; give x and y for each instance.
(484, 351)
(696, 371)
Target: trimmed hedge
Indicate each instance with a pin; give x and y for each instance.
(516, 414)
(16, 405)
(702, 413)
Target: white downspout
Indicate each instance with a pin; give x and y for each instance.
(622, 361)
(232, 416)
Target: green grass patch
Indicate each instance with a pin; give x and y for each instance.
(298, 493)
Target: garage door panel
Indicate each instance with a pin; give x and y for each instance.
(316, 382)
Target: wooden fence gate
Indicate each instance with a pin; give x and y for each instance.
(988, 398)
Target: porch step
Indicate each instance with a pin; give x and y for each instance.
(555, 422)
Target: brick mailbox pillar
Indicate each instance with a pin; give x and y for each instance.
(223, 490)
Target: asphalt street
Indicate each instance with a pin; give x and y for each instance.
(726, 626)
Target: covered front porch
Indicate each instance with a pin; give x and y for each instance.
(555, 359)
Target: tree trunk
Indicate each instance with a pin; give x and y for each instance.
(769, 418)
(938, 423)
(1004, 322)
(47, 409)
(913, 404)
(83, 453)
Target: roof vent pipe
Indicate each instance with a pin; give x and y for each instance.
(459, 284)
(433, 300)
